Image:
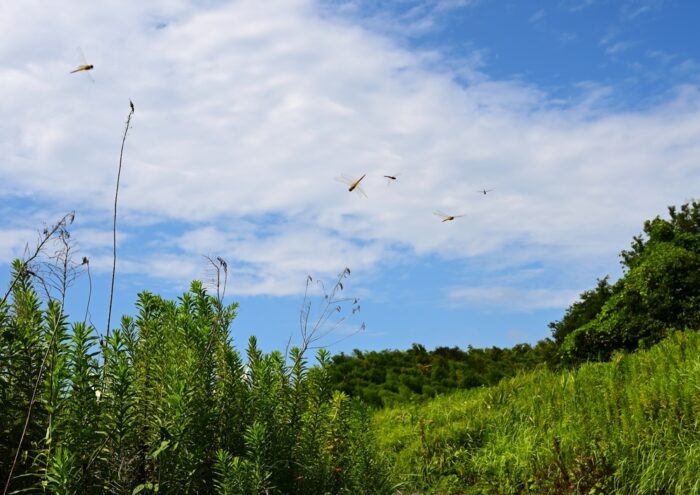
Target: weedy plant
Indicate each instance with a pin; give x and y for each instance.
(629, 426)
(166, 403)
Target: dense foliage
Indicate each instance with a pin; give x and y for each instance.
(166, 404)
(659, 292)
(390, 377)
(629, 426)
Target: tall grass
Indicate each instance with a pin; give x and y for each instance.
(628, 426)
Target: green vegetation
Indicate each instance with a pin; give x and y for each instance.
(386, 378)
(166, 404)
(659, 292)
(569, 425)
(631, 425)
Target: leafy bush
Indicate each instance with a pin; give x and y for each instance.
(166, 404)
(659, 292)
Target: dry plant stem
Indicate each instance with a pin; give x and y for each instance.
(323, 325)
(219, 265)
(86, 262)
(60, 271)
(114, 223)
(46, 237)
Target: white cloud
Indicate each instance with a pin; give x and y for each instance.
(513, 299)
(631, 9)
(246, 111)
(537, 16)
(13, 242)
(577, 5)
(619, 47)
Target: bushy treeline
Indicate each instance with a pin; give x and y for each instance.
(389, 377)
(658, 293)
(166, 404)
(628, 426)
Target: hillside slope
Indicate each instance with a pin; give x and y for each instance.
(631, 425)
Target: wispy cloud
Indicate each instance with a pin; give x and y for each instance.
(537, 16)
(631, 9)
(611, 43)
(577, 5)
(13, 242)
(400, 18)
(619, 47)
(513, 299)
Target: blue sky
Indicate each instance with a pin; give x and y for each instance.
(582, 115)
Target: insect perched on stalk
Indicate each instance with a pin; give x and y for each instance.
(354, 184)
(84, 67)
(445, 217)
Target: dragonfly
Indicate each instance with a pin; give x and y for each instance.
(391, 178)
(85, 67)
(484, 191)
(354, 184)
(445, 217)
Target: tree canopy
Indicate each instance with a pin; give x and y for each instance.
(659, 291)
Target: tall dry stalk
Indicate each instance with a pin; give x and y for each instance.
(114, 223)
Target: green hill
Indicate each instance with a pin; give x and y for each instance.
(387, 378)
(631, 425)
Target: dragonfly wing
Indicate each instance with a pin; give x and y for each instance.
(345, 179)
(360, 191)
(85, 64)
(81, 56)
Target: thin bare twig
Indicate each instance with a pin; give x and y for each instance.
(59, 272)
(114, 223)
(86, 263)
(314, 330)
(45, 237)
(219, 265)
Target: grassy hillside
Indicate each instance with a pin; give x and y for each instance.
(388, 378)
(631, 425)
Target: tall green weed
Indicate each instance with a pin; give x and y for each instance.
(166, 404)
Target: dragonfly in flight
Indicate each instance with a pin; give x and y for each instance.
(354, 184)
(84, 67)
(391, 178)
(484, 191)
(445, 217)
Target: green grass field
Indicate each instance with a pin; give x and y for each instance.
(631, 425)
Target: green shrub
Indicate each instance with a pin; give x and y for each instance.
(166, 404)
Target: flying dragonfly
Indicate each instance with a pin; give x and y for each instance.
(445, 217)
(85, 67)
(391, 178)
(354, 184)
(484, 191)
